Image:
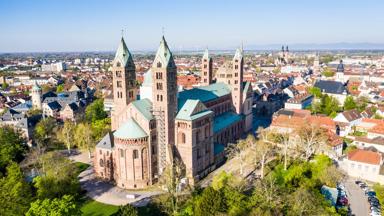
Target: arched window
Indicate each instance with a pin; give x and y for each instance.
(135, 154)
(108, 163)
(159, 64)
(181, 137)
(101, 163)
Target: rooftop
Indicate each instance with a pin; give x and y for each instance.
(225, 120)
(130, 130)
(364, 156)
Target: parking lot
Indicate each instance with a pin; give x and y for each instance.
(358, 195)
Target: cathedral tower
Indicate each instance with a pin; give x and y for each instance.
(237, 80)
(124, 83)
(164, 99)
(206, 69)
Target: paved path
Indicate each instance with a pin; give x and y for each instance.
(105, 192)
(357, 199)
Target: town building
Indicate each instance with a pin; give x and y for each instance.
(166, 124)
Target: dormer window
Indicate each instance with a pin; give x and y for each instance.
(159, 64)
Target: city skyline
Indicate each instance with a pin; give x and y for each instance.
(44, 26)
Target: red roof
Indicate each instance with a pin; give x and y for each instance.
(365, 156)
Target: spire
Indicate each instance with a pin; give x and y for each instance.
(239, 53)
(123, 56)
(163, 56)
(206, 54)
(286, 49)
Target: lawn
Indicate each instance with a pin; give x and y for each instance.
(81, 166)
(93, 208)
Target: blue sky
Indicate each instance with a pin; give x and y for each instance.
(95, 25)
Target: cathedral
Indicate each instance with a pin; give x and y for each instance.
(155, 123)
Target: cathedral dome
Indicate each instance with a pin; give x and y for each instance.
(130, 130)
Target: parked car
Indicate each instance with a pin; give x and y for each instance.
(373, 198)
(370, 193)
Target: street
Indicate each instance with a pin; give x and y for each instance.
(357, 199)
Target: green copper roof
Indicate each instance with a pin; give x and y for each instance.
(225, 120)
(144, 106)
(191, 110)
(163, 55)
(204, 93)
(130, 130)
(147, 78)
(123, 55)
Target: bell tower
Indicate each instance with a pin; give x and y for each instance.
(237, 80)
(164, 99)
(206, 69)
(124, 82)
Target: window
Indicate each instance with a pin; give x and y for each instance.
(236, 74)
(153, 150)
(197, 136)
(205, 73)
(182, 138)
(198, 154)
(118, 73)
(236, 67)
(159, 64)
(159, 86)
(119, 84)
(236, 81)
(159, 75)
(101, 163)
(161, 97)
(206, 132)
(135, 154)
(118, 64)
(130, 94)
(205, 66)
(121, 153)
(101, 152)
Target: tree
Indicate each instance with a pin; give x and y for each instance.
(311, 139)
(170, 180)
(66, 134)
(328, 73)
(84, 138)
(237, 151)
(284, 139)
(315, 91)
(127, 210)
(60, 88)
(65, 206)
(100, 128)
(58, 177)
(95, 111)
(12, 147)
(43, 133)
(211, 202)
(349, 103)
(15, 193)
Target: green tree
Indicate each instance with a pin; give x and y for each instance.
(328, 73)
(84, 138)
(127, 210)
(315, 91)
(15, 192)
(58, 177)
(12, 147)
(65, 206)
(100, 128)
(67, 134)
(349, 103)
(211, 202)
(60, 88)
(95, 111)
(43, 133)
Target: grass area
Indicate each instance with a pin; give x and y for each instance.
(93, 208)
(81, 166)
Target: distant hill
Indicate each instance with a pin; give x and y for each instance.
(325, 46)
